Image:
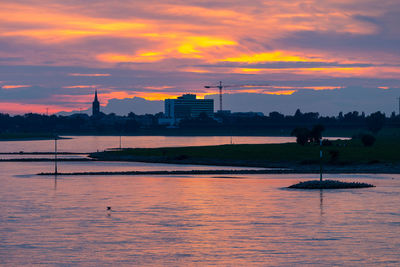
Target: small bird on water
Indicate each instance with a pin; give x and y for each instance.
(108, 208)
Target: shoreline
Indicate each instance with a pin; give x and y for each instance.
(217, 172)
(270, 168)
(44, 138)
(46, 159)
(43, 153)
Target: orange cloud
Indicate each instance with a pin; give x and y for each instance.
(195, 70)
(14, 86)
(22, 108)
(120, 58)
(53, 25)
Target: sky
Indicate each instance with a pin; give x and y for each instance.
(54, 54)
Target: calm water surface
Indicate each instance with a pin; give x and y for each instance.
(193, 220)
(94, 143)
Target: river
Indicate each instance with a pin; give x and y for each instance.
(88, 144)
(246, 220)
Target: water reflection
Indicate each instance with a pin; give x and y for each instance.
(55, 181)
(191, 220)
(88, 144)
(321, 202)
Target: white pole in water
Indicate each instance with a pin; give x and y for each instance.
(320, 160)
(55, 156)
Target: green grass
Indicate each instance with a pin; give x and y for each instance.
(350, 151)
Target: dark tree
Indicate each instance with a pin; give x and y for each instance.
(316, 133)
(276, 116)
(368, 139)
(375, 122)
(302, 135)
(334, 155)
(298, 113)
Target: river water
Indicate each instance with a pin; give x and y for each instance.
(248, 220)
(245, 220)
(88, 144)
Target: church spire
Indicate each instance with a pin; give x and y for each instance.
(95, 105)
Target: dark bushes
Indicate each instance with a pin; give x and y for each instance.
(368, 139)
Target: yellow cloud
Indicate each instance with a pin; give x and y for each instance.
(276, 56)
(282, 92)
(191, 44)
(187, 47)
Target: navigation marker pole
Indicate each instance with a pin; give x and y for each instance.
(320, 160)
(55, 156)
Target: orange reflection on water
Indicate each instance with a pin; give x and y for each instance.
(189, 220)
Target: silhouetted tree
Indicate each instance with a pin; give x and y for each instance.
(316, 133)
(298, 113)
(368, 139)
(334, 155)
(302, 135)
(375, 121)
(276, 116)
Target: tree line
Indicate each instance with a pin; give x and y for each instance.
(132, 123)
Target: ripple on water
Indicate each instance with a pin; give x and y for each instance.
(189, 221)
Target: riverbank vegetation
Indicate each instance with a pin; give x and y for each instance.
(26, 136)
(336, 153)
(238, 123)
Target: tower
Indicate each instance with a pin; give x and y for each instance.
(95, 106)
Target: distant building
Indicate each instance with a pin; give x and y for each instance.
(95, 106)
(187, 106)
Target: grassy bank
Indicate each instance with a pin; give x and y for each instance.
(348, 152)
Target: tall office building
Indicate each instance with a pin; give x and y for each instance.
(95, 106)
(187, 106)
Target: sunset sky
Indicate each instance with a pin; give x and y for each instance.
(54, 54)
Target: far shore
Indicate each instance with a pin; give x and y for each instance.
(177, 132)
(341, 156)
(29, 137)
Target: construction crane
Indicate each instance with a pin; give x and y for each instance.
(220, 86)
